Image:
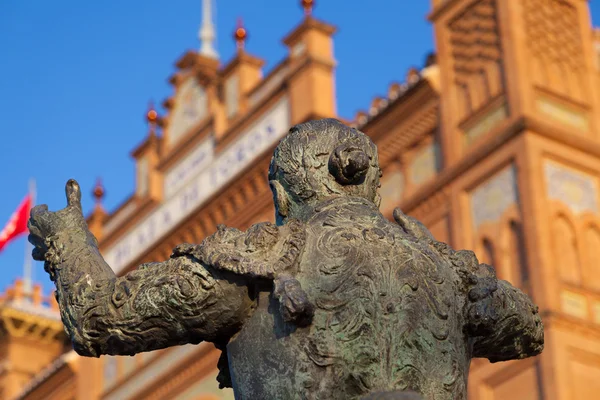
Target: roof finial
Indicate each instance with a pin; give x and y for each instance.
(152, 118)
(412, 76)
(240, 34)
(308, 6)
(98, 192)
(206, 34)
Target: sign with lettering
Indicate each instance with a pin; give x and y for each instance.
(575, 189)
(239, 155)
(268, 86)
(118, 218)
(189, 167)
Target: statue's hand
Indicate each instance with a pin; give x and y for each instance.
(49, 231)
(411, 225)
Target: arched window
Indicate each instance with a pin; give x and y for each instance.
(566, 255)
(518, 255)
(592, 248)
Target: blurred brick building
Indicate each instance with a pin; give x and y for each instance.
(494, 144)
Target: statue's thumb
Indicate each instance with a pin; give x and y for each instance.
(73, 192)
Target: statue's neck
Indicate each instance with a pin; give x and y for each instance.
(310, 210)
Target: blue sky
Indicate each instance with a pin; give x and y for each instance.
(76, 78)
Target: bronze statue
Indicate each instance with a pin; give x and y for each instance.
(332, 302)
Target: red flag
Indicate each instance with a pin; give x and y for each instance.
(17, 224)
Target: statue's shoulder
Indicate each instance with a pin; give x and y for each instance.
(265, 250)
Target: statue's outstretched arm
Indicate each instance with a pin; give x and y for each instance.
(502, 321)
(159, 305)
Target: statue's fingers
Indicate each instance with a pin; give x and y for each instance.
(38, 254)
(34, 230)
(411, 225)
(38, 219)
(400, 219)
(38, 210)
(39, 216)
(73, 193)
(36, 239)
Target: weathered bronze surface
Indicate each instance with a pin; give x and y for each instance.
(332, 302)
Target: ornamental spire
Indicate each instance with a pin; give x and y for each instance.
(240, 34)
(206, 34)
(308, 6)
(98, 192)
(151, 114)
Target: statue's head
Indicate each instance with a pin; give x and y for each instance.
(321, 159)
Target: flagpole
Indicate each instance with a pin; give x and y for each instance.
(28, 264)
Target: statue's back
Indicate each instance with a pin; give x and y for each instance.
(334, 302)
(385, 317)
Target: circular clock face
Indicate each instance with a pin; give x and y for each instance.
(190, 109)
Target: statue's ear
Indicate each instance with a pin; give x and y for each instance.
(282, 201)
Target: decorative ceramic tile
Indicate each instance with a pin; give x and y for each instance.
(425, 165)
(492, 198)
(486, 123)
(391, 190)
(576, 190)
(562, 113)
(574, 304)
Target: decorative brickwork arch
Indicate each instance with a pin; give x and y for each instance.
(476, 48)
(565, 247)
(514, 251)
(591, 255)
